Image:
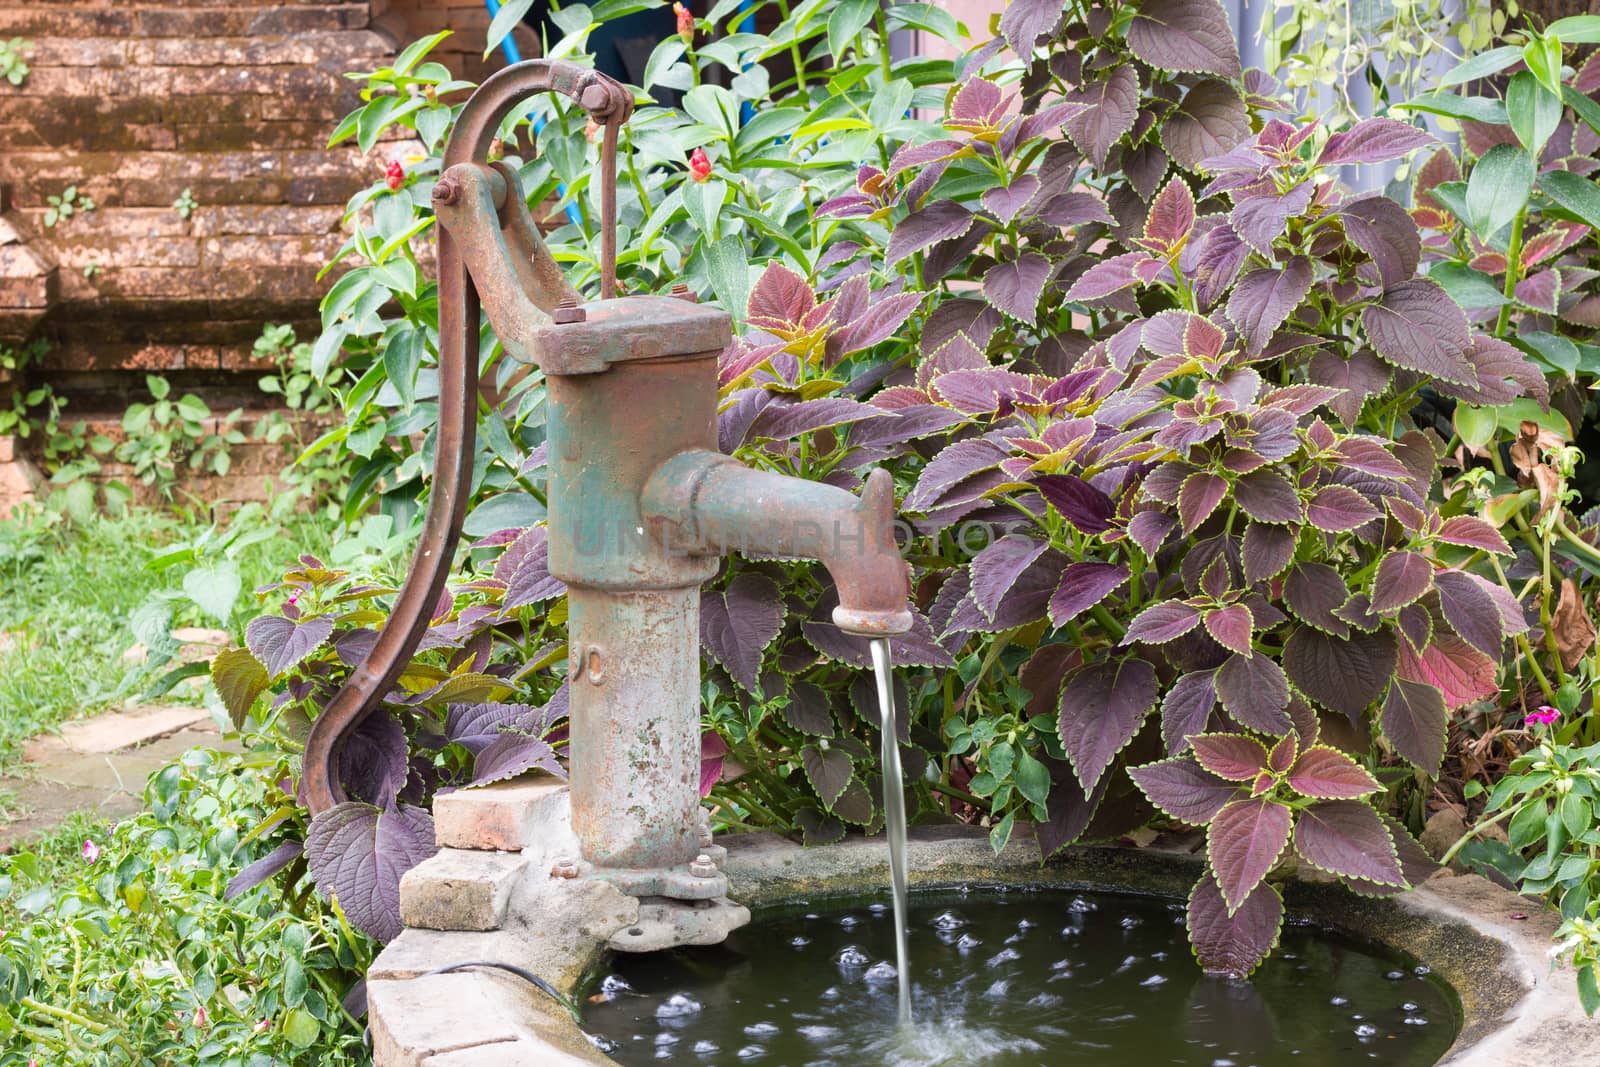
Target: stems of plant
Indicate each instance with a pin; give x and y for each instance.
(1513, 272)
(1450, 854)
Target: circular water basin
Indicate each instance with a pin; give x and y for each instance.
(1014, 978)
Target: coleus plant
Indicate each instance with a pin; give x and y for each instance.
(1184, 381)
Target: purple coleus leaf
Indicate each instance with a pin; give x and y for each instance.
(1025, 21)
(779, 422)
(1244, 842)
(941, 220)
(1336, 508)
(1069, 808)
(780, 300)
(1082, 586)
(1386, 232)
(280, 644)
(511, 755)
(476, 726)
(1346, 674)
(1163, 622)
(1264, 298)
(1470, 532)
(374, 760)
(1261, 216)
(1191, 36)
(1471, 610)
(995, 570)
(949, 468)
(1375, 140)
(1186, 709)
(1236, 757)
(1112, 105)
(1201, 493)
(1231, 627)
(1080, 503)
(1005, 201)
(1346, 837)
(880, 322)
(1267, 550)
(255, 873)
(1108, 276)
(1171, 218)
(1255, 692)
(1184, 790)
(1267, 495)
(1415, 721)
(737, 625)
(713, 751)
(1015, 286)
(357, 854)
(1417, 326)
(525, 568)
(1211, 120)
(1402, 578)
(1101, 707)
(1314, 592)
(1232, 941)
(921, 155)
(1328, 774)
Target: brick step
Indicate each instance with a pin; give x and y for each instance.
(317, 48)
(189, 18)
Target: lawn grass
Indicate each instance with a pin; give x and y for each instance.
(67, 590)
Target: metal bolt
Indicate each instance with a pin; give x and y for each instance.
(568, 311)
(595, 99)
(705, 837)
(566, 867)
(446, 191)
(702, 867)
(683, 292)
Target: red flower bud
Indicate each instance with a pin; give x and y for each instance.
(699, 165)
(685, 23)
(394, 174)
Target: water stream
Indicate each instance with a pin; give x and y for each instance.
(894, 818)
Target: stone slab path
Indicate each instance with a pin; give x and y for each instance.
(97, 765)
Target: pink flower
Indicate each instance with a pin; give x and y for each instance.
(1544, 716)
(699, 165)
(263, 1026)
(685, 23)
(91, 851)
(200, 1019)
(394, 174)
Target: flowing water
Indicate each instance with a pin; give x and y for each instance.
(894, 821)
(1018, 978)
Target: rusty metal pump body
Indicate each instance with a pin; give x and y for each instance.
(641, 504)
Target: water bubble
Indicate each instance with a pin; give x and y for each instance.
(1366, 1030)
(968, 943)
(706, 1048)
(1026, 924)
(751, 1052)
(1153, 981)
(1079, 906)
(614, 985)
(1416, 1020)
(831, 993)
(1410, 1006)
(799, 942)
(998, 990)
(1005, 955)
(1045, 1000)
(1127, 963)
(1395, 976)
(812, 915)
(677, 1006)
(852, 956)
(1061, 965)
(761, 1029)
(819, 1033)
(1130, 921)
(877, 909)
(1224, 1062)
(1338, 1002)
(666, 1039)
(881, 973)
(949, 920)
(1158, 956)
(849, 922)
(604, 1044)
(1422, 970)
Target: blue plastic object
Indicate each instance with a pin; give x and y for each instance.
(513, 54)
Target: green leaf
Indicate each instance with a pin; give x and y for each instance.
(416, 50)
(1498, 189)
(1588, 989)
(1467, 287)
(1578, 29)
(666, 53)
(845, 22)
(511, 12)
(1574, 193)
(1476, 108)
(1555, 352)
(214, 588)
(1534, 111)
(729, 270)
(1542, 54)
(1002, 832)
(301, 1028)
(1475, 426)
(402, 355)
(504, 512)
(1482, 65)
(1032, 778)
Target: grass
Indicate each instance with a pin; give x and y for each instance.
(67, 591)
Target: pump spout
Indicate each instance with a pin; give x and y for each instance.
(708, 503)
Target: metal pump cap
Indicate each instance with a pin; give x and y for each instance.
(629, 328)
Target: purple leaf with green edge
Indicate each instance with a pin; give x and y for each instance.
(978, 102)
(1027, 600)
(1314, 592)
(1201, 493)
(1260, 217)
(1074, 209)
(1328, 774)
(1417, 326)
(1504, 374)
(1107, 277)
(1357, 611)
(1386, 232)
(1187, 708)
(476, 726)
(1171, 217)
(1232, 942)
(1191, 36)
(914, 648)
(1540, 291)
(848, 206)
(1346, 837)
(1264, 298)
(1150, 530)
(1163, 622)
(779, 300)
(737, 624)
(1376, 140)
(512, 755)
(1112, 105)
(949, 468)
(713, 753)
(880, 322)
(1300, 399)
(1070, 810)
(964, 317)
(374, 759)
(1145, 166)
(1255, 692)
(903, 425)
(1184, 790)
(780, 421)
(996, 569)
(979, 391)
(1211, 120)
(828, 769)
(1005, 201)
(1415, 623)
(1283, 754)
(1415, 864)
(1080, 503)
(1267, 550)
(1361, 376)
(1455, 668)
(1025, 21)
(1102, 706)
(1307, 724)
(1402, 578)
(1267, 495)
(1369, 455)
(1231, 627)
(921, 155)
(1016, 285)
(1243, 843)
(1336, 508)
(1470, 532)
(357, 853)
(1218, 260)
(1236, 757)
(280, 644)
(255, 873)
(941, 220)
(239, 679)
(1347, 674)
(1471, 610)
(1082, 586)
(529, 581)
(1415, 721)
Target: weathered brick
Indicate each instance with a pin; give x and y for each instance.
(459, 890)
(507, 816)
